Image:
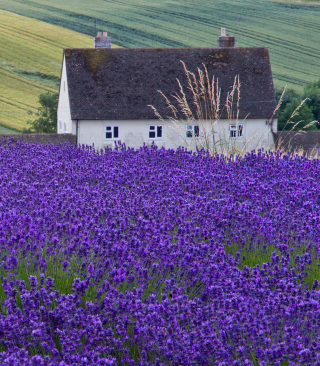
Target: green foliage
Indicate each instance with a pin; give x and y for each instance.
(312, 92)
(288, 96)
(253, 254)
(291, 120)
(309, 110)
(46, 121)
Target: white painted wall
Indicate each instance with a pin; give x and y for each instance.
(64, 123)
(256, 134)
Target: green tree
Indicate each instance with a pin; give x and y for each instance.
(312, 92)
(291, 118)
(46, 121)
(288, 96)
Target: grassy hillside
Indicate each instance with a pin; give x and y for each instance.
(6, 130)
(290, 30)
(30, 64)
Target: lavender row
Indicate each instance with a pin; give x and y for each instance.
(157, 257)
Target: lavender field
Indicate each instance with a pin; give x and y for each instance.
(158, 257)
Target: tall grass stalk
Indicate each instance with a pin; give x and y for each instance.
(204, 110)
(280, 145)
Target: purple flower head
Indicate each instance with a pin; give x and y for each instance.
(315, 284)
(33, 282)
(91, 269)
(12, 262)
(65, 264)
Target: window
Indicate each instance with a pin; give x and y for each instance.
(192, 131)
(60, 125)
(155, 132)
(236, 130)
(64, 86)
(112, 132)
(65, 126)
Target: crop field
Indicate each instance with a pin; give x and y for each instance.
(30, 64)
(158, 257)
(6, 130)
(289, 30)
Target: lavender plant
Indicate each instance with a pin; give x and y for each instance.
(158, 257)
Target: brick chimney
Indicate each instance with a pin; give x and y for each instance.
(225, 40)
(102, 40)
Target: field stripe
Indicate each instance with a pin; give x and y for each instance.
(31, 50)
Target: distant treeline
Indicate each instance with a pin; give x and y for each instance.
(308, 112)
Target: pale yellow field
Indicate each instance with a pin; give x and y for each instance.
(30, 64)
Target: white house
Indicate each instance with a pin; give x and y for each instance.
(106, 93)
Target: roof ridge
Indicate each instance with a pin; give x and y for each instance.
(118, 84)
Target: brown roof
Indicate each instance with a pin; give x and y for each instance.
(119, 84)
(307, 141)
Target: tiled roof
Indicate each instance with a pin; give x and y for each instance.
(308, 141)
(119, 84)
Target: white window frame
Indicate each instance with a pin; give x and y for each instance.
(110, 129)
(154, 128)
(191, 131)
(236, 130)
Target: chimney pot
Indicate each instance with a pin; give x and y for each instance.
(225, 40)
(102, 40)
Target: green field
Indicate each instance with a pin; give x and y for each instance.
(30, 64)
(7, 131)
(289, 29)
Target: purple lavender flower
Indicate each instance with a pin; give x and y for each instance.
(179, 258)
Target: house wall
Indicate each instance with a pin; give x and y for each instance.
(256, 134)
(64, 123)
(134, 133)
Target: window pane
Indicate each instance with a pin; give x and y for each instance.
(115, 132)
(108, 128)
(159, 131)
(152, 135)
(189, 134)
(152, 128)
(108, 135)
(233, 133)
(240, 128)
(189, 128)
(196, 131)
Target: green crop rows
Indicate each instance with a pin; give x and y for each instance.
(289, 30)
(30, 64)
